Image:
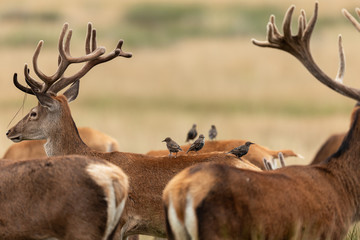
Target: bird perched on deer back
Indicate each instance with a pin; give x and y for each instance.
(241, 150)
(192, 133)
(212, 132)
(198, 144)
(172, 146)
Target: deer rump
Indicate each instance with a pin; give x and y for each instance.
(319, 201)
(60, 197)
(261, 205)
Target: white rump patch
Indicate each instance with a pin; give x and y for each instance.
(176, 226)
(104, 175)
(190, 217)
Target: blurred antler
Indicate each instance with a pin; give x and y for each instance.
(56, 82)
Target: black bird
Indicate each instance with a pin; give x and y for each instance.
(172, 146)
(241, 150)
(192, 133)
(198, 144)
(212, 132)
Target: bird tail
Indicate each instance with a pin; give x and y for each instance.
(188, 150)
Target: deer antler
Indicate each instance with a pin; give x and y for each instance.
(298, 46)
(56, 82)
(351, 18)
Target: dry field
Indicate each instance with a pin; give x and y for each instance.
(176, 80)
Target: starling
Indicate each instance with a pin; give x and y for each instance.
(241, 150)
(212, 132)
(192, 133)
(198, 144)
(172, 146)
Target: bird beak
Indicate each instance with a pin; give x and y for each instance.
(163, 140)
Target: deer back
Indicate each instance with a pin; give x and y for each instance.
(255, 155)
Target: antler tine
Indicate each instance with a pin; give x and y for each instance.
(62, 54)
(90, 37)
(67, 43)
(287, 22)
(299, 47)
(341, 71)
(93, 42)
(34, 85)
(351, 18)
(281, 159)
(87, 39)
(122, 53)
(275, 29)
(311, 25)
(21, 87)
(270, 167)
(265, 162)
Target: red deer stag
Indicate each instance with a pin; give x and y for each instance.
(255, 155)
(35, 149)
(51, 119)
(71, 197)
(296, 202)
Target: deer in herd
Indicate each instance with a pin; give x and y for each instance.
(67, 197)
(255, 155)
(318, 201)
(35, 149)
(51, 120)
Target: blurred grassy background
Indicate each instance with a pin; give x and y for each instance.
(193, 63)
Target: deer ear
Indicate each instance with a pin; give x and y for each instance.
(72, 91)
(47, 101)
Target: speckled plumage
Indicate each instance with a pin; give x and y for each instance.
(198, 144)
(172, 146)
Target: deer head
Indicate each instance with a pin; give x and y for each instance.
(51, 108)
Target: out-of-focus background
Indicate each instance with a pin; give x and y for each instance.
(193, 62)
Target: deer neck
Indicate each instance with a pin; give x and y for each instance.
(345, 165)
(64, 138)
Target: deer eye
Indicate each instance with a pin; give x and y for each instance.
(33, 114)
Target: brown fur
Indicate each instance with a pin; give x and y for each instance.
(148, 175)
(298, 202)
(55, 198)
(35, 149)
(255, 155)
